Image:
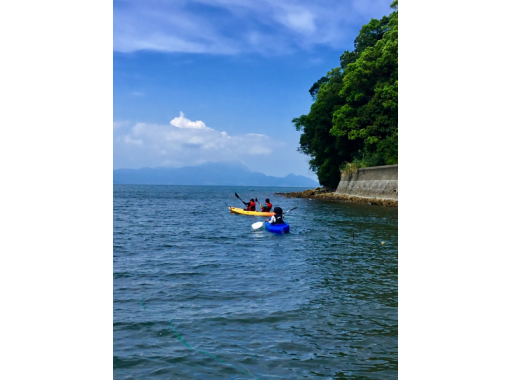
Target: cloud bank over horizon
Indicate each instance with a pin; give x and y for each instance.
(184, 142)
(261, 26)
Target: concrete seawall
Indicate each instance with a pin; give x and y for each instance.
(379, 182)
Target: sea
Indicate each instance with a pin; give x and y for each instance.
(199, 294)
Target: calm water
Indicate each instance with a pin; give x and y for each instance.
(312, 303)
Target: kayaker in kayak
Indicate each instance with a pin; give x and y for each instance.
(277, 218)
(251, 205)
(267, 207)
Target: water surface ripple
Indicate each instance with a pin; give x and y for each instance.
(312, 303)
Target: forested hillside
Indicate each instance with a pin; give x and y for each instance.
(354, 119)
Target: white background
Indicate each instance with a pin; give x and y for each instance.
(56, 190)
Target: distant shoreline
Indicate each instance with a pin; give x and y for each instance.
(162, 184)
(208, 174)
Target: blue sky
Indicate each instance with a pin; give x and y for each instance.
(221, 80)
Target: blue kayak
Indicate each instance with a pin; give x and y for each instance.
(277, 228)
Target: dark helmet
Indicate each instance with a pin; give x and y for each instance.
(252, 200)
(267, 200)
(278, 211)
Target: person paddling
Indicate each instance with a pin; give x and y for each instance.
(267, 207)
(277, 218)
(251, 205)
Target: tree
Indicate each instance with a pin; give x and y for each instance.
(316, 141)
(315, 88)
(370, 95)
(354, 116)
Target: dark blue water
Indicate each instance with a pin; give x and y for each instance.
(312, 303)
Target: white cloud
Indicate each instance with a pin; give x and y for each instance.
(301, 21)
(185, 143)
(165, 27)
(237, 26)
(182, 122)
(129, 140)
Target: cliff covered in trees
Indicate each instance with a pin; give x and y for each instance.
(353, 121)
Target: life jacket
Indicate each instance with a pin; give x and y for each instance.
(269, 206)
(279, 219)
(251, 206)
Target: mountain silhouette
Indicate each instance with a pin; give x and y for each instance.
(210, 173)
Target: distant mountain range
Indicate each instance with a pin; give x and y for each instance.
(210, 173)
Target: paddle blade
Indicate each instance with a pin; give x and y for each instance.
(257, 225)
(293, 208)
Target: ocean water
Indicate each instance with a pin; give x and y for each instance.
(199, 295)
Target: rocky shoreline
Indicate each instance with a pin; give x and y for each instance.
(330, 195)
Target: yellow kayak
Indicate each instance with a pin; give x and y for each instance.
(244, 212)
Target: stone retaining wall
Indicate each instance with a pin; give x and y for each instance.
(379, 182)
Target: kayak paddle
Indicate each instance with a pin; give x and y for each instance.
(238, 197)
(293, 208)
(257, 225)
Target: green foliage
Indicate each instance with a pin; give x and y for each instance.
(367, 37)
(354, 119)
(315, 88)
(327, 152)
(370, 96)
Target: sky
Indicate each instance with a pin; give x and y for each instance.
(221, 80)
